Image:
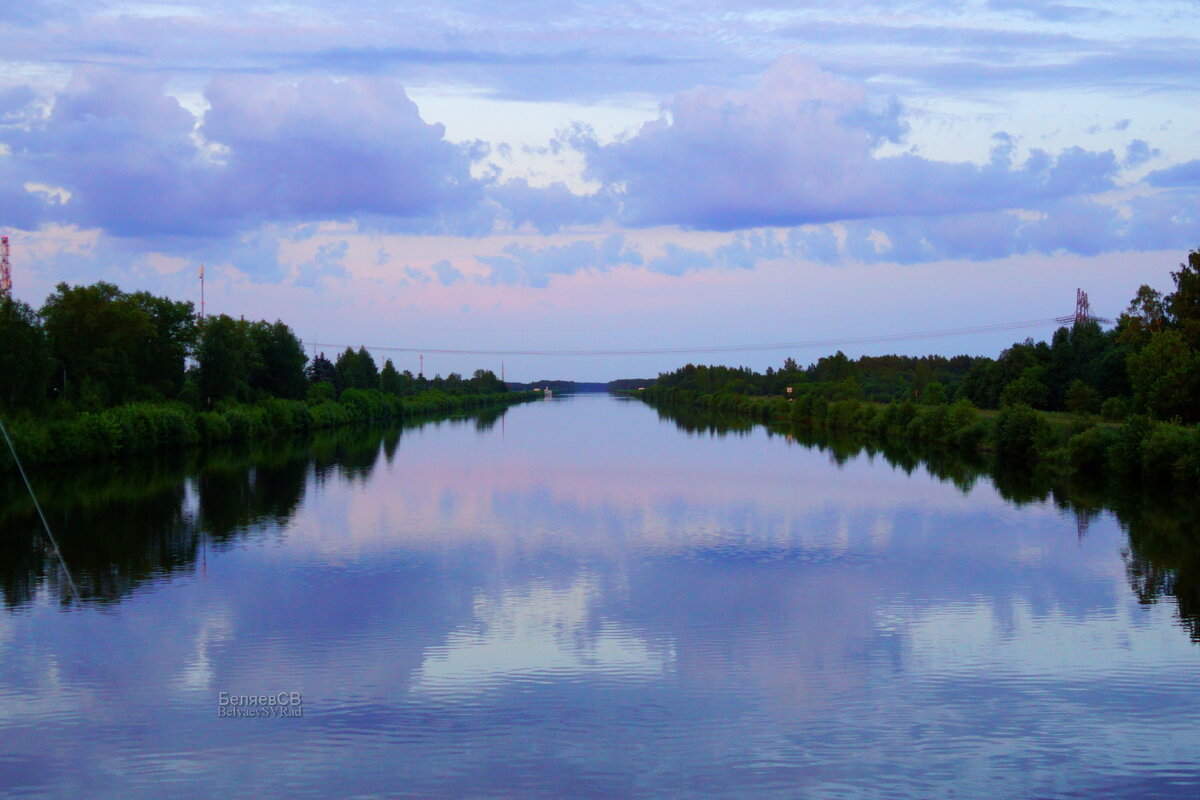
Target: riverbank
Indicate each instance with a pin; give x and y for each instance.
(139, 428)
(1139, 450)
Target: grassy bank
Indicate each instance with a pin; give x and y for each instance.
(138, 428)
(1138, 451)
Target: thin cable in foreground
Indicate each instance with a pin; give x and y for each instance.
(49, 534)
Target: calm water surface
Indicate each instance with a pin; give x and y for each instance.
(582, 600)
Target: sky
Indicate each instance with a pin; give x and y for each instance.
(732, 182)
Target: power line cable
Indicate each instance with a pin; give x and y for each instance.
(726, 348)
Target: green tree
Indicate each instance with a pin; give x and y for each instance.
(97, 335)
(1184, 303)
(322, 370)
(25, 364)
(1166, 377)
(358, 370)
(390, 380)
(484, 381)
(1146, 315)
(934, 394)
(160, 362)
(1081, 398)
(1025, 390)
(223, 372)
(278, 364)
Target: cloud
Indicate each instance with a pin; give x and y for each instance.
(323, 149)
(1081, 226)
(123, 149)
(1138, 152)
(326, 263)
(1186, 174)
(800, 148)
(551, 207)
(130, 156)
(523, 265)
(447, 275)
(1051, 12)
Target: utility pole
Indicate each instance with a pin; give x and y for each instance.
(201, 291)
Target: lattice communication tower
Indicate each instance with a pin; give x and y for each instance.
(5, 269)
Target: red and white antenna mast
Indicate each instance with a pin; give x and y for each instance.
(5, 269)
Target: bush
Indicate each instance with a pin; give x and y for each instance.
(1125, 454)
(1115, 409)
(1163, 453)
(1021, 433)
(1088, 451)
(321, 393)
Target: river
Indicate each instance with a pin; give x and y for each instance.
(580, 598)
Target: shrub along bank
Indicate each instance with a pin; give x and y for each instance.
(1157, 454)
(146, 427)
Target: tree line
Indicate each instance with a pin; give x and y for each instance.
(90, 348)
(1148, 363)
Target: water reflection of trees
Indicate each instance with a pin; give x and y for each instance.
(1163, 556)
(122, 524)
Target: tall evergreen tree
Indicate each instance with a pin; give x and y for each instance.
(322, 370)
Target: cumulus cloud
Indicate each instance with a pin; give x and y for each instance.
(327, 149)
(551, 207)
(123, 149)
(135, 163)
(1138, 152)
(801, 147)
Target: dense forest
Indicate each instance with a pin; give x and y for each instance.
(98, 372)
(1131, 396)
(1149, 363)
(93, 347)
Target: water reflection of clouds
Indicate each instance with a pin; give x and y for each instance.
(1059, 643)
(435, 502)
(481, 607)
(537, 633)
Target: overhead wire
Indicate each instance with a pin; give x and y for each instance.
(718, 348)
